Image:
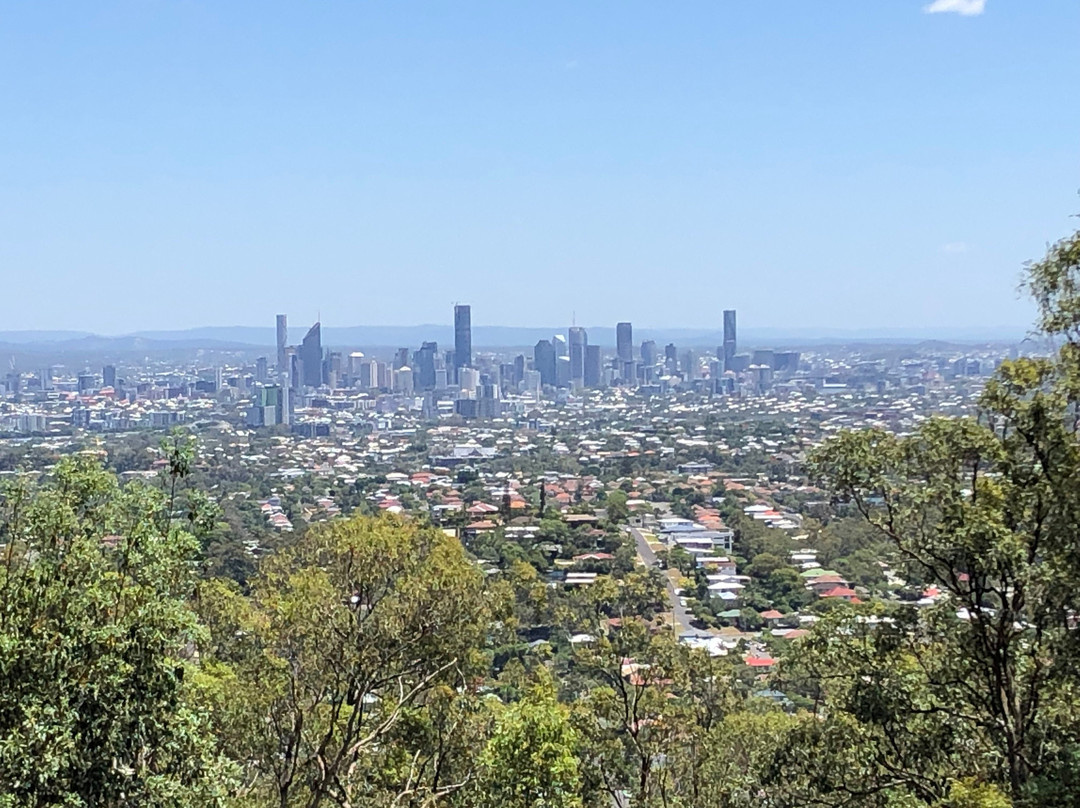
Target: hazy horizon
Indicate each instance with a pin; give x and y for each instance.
(868, 165)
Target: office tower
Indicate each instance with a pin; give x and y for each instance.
(462, 337)
(764, 356)
(401, 358)
(730, 341)
(329, 375)
(578, 341)
(356, 359)
(624, 342)
(670, 360)
(269, 407)
(488, 403)
(562, 371)
(286, 405)
(787, 361)
(311, 357)
(468, 380)
(403, 380)
(592, 366)
(368, 375)
(262, 370)
(296, 369)
(689, 366)
(532, 383)
(544, 361)
(519, 369)
(506, 376)
(108, 376)
(559, 343)
(282, 343)
(219, 379)
(424, 365)
(648, 361)
(648, 353)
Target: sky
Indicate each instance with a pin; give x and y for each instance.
(833, 164)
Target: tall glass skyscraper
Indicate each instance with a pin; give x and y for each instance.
(544, 361)
(578, 340)
(730, 342)
(624, 342)
(311, 356)
(282, 343)
(462, 337)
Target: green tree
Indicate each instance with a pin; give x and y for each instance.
(988, 510)
(344, 635)
(99, 704)
(531, 759)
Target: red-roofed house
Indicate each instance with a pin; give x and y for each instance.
(841, 592)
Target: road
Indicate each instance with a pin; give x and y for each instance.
(683, 618)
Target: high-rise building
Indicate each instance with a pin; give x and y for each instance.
(544, 361)
(578, 341)
(648, 361)
(648, 353)
(671, 361)
(592, 366)
(787, 361)
(282, 343)
(562, 371)
(311, 357)
(424, 366)
(468, 381)
(369, 374)
(295, 373)
(401, 358)
(689, 366)
(730, 340)
(108, 376)
(403, 380)
(624, 342)
(559, 343)
(462, 336)
(262, 370)
(764, 356)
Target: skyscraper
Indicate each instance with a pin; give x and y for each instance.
(648, 360)
(648, 353)
(592, 366)
(282, 342)
(311, 357)
(624, 342)
(670, 361)
(730, 341)
(424, 366)
(578, 340)
(108, 376)
(462, 337)
(544, 361)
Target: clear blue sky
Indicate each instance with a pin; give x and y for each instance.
(836, 163)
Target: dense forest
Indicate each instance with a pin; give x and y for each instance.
(372, 661)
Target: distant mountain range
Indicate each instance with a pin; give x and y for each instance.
(256, 337)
